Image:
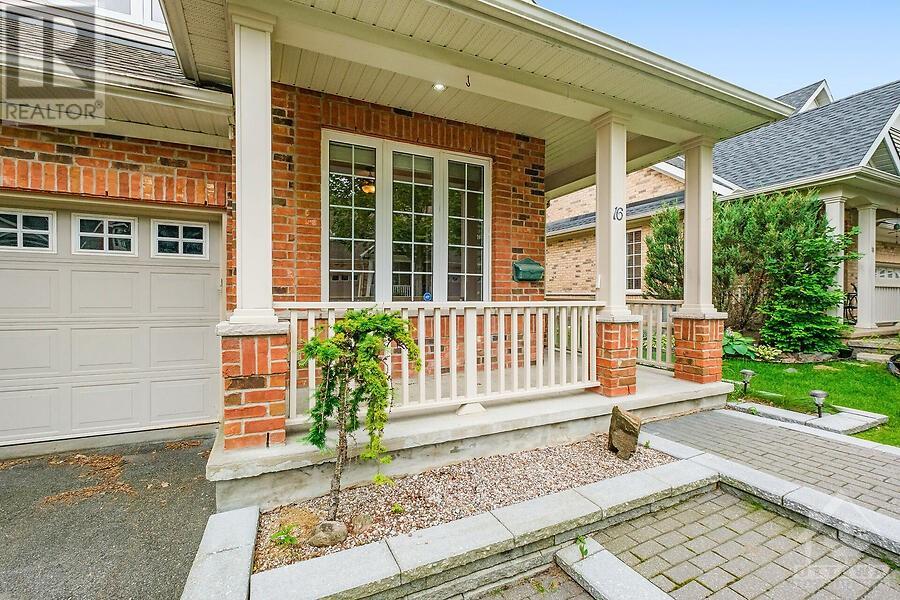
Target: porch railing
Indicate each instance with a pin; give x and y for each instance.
(657, 347)
(470, 352)
(886, 300)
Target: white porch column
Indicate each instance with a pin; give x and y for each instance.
(834, 212)
(253, 148)
(610, 225)
(698, 227)
(865, 315)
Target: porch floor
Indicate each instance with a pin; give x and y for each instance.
(548, 418)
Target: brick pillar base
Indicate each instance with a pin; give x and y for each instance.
(698, 348)
(255, 371)
(617, 352)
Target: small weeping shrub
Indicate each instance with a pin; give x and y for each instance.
(355, 379)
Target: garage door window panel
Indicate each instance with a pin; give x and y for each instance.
(27, 231)
(104, 235)
(180, 239)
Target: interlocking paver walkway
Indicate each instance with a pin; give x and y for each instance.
(867, 477)
(719, 547)
(552, 584)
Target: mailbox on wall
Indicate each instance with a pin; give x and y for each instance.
(527, 270)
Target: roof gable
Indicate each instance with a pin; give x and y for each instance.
(837, 136)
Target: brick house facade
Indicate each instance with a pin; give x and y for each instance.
(571, 257)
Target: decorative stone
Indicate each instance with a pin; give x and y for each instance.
(361, 522)
(328, 533)
(791, 370)
(624, 429)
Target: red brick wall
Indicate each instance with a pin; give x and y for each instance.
(46, 159)
(298, 117)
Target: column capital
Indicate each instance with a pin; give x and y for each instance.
(610, 118)
(699, 142)
(251, 18)
(834, 200)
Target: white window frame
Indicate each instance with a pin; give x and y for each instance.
(51, 230)
(76, 235)
(140, 13)
(384, 268)
(154, 235)
(630, 290)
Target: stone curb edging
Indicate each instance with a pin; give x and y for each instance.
(847, 421)
(603, 575)
(837, 437)
(857, 526)
(221, 568)
(471, 555)
(464, 558)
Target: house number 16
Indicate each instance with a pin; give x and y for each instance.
(618, 213)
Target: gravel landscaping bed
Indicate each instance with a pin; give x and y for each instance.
(373, 513)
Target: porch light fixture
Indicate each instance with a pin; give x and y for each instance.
(818, 397)
(368, 188)
(438, 86)
(747, 375)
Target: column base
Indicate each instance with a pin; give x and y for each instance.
(617, 352)
(698, 346)
(255, 374)
(256, 316)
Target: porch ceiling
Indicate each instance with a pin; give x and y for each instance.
(507, 64)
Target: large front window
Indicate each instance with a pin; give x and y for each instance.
(405, 223)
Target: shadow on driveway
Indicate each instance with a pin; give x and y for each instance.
(115, 523)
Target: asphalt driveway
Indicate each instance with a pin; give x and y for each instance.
(115, 523)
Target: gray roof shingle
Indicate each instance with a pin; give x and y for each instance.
(798, 98)
(641, 208)
(115, 55)
(826, 139)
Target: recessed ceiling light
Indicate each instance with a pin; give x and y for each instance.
(439, 87)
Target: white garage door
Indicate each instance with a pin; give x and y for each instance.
(107, 323)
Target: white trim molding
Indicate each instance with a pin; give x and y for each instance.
(180, 240)
(20, 230)
(105, 235)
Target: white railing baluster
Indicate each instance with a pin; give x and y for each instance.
(311, 366)
(404, 365)
(585, 344)
(514, 346)
(470, 354)
(488, 367)
(293, 340)
(573, 326)
(551, 345)
(539, 351)
(648, 328)
(451, 322)
(438, 355)
(592, 332)
(527, 348)
(563, 334)
(501, 347)
(423, 356)
(660, 358)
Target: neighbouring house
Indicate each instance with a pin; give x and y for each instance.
(847, 149)
(263, 167)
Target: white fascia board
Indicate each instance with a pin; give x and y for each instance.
(888, 182)
(173, 12)
(807, 105)
(562, 30)
(721, 186)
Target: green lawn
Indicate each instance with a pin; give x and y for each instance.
(865, 386)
